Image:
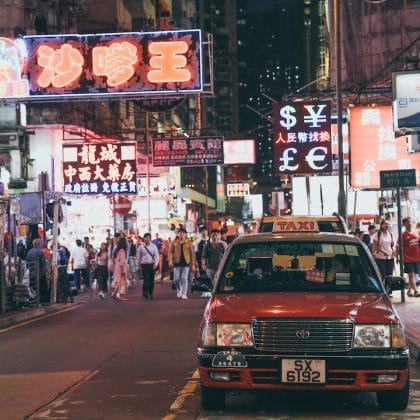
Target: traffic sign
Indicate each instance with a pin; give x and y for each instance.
(122, 205)
(398, 178)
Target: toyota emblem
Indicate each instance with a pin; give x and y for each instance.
(303, 334)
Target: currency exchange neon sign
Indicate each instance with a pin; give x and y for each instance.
(133, 63)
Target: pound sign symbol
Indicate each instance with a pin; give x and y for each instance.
(287, 157)
(290, 120)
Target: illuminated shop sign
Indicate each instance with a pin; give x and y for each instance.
(106, 168)
(239, 151)
(374, 147)
(406, 101)
(159, 186)
(103, 64)
(191, 151)
(237, 190)
(302, 138)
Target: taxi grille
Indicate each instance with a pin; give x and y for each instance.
(302, 335)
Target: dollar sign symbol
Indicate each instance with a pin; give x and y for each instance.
(286, 112)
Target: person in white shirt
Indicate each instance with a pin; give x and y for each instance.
(148, 260)
(79, 259)
(383, 249)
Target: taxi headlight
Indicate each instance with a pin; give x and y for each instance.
(234, 335)
(208, 336)
(398, 336)
(372, 336)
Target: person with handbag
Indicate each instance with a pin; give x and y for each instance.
(148, 260)
(120, 269)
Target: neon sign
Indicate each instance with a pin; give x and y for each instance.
(132, 63)
(107, 168)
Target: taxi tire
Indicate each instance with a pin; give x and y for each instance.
(395, 400)
(212, 398)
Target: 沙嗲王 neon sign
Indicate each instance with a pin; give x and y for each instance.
(133, 63)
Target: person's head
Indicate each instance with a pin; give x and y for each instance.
(215, 235)
(407, 223)
(157, 235)
(371, 229)
(86, 239)
(78, 242)
(384, 225)
(182, 233)
(146, 238)
(117, 237)
(122, 244)
(104, 246)
(203, 232)
(340, 263)
(37, 243)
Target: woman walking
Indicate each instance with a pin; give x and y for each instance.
(383, 249)
(102, 273)
(120, 269)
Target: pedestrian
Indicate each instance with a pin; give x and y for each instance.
(165, 264)
(63, 285)
(79, 259)
(213, 252)
(37, 265)
(21, 250)
(198, 247)
(371, 232)
(120, 269)
(101, 270)
(411, 256)
(182, 258)
(383, 249)
(148, 261)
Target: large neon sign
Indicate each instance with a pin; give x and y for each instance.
(133, 63)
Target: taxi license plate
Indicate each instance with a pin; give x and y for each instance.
(303, 371)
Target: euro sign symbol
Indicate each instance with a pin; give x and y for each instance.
(288, 157)
(290, 120)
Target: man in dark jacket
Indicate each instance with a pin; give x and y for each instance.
(37, 264)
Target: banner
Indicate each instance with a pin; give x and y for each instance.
(188, 151)
(302, 138)
(108, 168)
(374, 148)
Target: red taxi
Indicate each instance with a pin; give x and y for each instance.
(303, 311)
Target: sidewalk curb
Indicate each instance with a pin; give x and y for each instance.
(21, 316)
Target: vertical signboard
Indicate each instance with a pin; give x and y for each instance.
(374, 148)
(100, 168)
(302, 138)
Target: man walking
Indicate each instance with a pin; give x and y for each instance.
(199, 246)
(37, 264)
(212, 255)
(411, 256)
(181, 257)
(80, 261)
(148, 260)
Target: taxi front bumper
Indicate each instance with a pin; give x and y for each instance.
(358, 372)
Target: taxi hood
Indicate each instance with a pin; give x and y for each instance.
(358, 307)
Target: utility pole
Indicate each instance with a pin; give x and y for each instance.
(342, 198)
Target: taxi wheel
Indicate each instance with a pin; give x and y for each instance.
(394, 400)
(212, 398)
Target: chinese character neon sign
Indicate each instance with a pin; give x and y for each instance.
(134, 63)
(100, 168)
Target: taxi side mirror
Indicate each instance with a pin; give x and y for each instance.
(394, 283)
(201, 284)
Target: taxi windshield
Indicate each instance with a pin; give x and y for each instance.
(298, 266)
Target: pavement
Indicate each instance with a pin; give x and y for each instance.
(409, 312)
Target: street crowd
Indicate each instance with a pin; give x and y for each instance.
(123, 260)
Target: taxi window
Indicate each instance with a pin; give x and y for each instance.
(298, 266)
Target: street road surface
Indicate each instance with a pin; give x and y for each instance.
(136, 359)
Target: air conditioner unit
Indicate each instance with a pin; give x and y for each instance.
(9, 141)
(413, 143)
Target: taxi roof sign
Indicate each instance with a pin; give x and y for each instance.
(295, 226)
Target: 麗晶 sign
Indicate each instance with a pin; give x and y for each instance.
(398, 178)
(104, 168)
(191, 151)
(132, 63)
(302, 138)
(406, 101)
